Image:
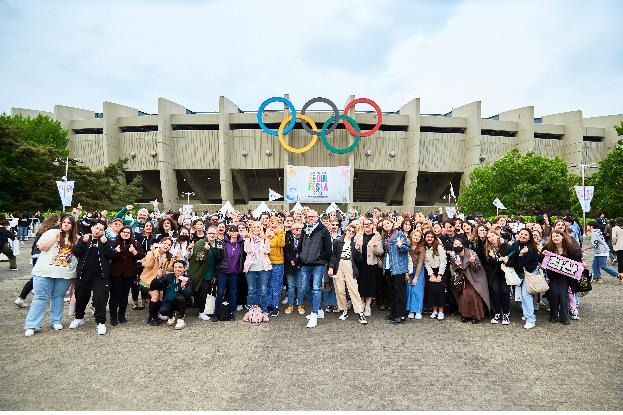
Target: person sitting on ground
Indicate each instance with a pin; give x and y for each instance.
(176, 290)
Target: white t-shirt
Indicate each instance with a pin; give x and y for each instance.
(55, 263)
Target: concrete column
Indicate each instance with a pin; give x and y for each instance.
(112, 132)
(573, 139)
(412, 109)
(351, 159)
(166, 152)
(286, 158)
(524, 117)
(225, 107)
(471, 158)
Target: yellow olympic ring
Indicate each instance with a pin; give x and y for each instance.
(286, 145)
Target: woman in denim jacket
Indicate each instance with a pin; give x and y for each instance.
(397, 254)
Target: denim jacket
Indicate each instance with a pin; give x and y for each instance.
(398, 257)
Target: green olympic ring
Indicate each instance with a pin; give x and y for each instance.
(323, 134)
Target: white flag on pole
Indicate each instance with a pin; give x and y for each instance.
(585, 196)
(452, 191)
(272, 195)
(498, 204)
(65, 191)
(450, 211)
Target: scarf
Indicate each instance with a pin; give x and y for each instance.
(310, 228)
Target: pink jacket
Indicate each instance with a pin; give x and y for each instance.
(257, 252)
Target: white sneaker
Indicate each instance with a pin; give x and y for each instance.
(418, 316)
(434, 315)
(367, 311)
(101, 329)
(29, 332)
(320, 313)
(57, 326)
(313, 320)
(411, 316)
(21, 303)
(440, 316)
(171, 321)
(284, 301)
(77, 322)
(180, 324)
(574, 314)
(163, 318)
(203, 316)
(529, 326)
(343, 316)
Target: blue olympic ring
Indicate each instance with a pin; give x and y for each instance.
(263, 126)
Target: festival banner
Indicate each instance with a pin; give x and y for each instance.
(318, 184)
(562, 265)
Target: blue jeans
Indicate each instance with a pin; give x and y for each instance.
(527, 306)
(275, 284)
(223, 281)
(46, 289)
(258, 289)
(314, 274)
(295, 288)
(22, 232)
(599, 263)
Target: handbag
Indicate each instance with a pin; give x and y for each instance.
(584, 284)
(210, 307)
(510, 275)
(536, 282)
(457, 279)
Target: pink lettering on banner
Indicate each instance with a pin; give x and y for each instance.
(562, 265)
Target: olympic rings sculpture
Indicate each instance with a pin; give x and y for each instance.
(327, 128)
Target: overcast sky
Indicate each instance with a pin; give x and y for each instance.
(555, 55)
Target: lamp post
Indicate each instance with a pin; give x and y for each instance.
(57, 162)
(583, 166)
(188, 194)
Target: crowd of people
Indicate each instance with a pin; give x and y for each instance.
(221, 264)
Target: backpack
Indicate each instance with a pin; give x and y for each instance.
(254, 315)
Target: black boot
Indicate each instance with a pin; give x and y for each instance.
(153, 314)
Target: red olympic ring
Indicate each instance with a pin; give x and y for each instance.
(374, 105)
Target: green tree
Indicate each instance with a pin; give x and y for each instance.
(608, 181)
(28, 174)
(524, 184)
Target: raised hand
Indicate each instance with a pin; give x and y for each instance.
(118, 248)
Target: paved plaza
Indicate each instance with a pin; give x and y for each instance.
(281, 365)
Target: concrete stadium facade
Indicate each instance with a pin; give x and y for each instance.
(411, 161)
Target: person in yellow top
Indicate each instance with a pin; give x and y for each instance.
(277, 236)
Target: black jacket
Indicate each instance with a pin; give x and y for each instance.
(105, 254)
(315, 249)
(355, 256)
(5, 235)
(291, 254)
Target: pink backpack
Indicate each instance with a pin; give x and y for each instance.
(255, 315)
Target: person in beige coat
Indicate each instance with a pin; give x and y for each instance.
(371, 245)
(617, 245)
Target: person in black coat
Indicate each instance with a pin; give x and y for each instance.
(94, 253)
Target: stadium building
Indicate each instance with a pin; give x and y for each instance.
(410, 161)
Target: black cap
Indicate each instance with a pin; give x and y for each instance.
(477, 214)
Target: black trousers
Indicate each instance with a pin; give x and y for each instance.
(383, 288)
(500, 295)
(399, 295)
(200, 300)
(118, 303)
(26, 290)
(558, 296)
(179, 304)
(100, 289)
(243, 289)
(619, 261)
